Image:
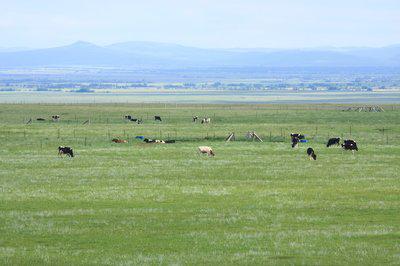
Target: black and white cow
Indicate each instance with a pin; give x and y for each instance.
(296, 139)
(297, 135)
(195, 118)
(350, 145)
(55, 118)
(333, 141)
(65, 150)
(295, 142)
(311, 154)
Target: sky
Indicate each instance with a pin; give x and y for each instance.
(201, 23)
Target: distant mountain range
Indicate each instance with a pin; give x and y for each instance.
(160, 55)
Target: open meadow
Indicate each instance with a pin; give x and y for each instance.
(253, 203)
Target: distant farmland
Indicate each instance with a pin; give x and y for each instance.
(253, 203)
(204, 96)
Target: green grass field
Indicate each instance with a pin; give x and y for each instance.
(253, 203)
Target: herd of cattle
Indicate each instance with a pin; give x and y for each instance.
(205, 120)
(296, 138)
(347, 144)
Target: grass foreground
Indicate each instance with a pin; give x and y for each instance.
(253, 203)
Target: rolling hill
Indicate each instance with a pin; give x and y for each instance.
(161, 55)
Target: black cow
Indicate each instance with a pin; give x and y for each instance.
(333, 141)
(133, 119)
(65, 150)
(295, 142)
(157, 118)
(311, 154)
(40, 119)
(350, 145)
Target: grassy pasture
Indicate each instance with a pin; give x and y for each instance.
(253, 203)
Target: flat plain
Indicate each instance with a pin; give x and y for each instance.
(253, 203)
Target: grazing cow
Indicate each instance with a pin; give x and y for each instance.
(40, 119)
(295, 142)
(158, 141)
(65, 150)
(55, 118)
(133, 119)
(119, 140)
(153, 141)
(311, 154)
(157, 118)
(195, 118)
(350, 145)
(128, 117)
(140, 121)
(296, 138)
(206, 120)
(333, 141)
(207, 150)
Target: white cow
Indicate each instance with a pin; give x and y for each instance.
(206, 120)
(206, 149)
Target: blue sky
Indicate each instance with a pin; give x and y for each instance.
(201, 23)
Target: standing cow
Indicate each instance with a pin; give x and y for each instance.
(206, 120)
(157, 118)
(350, 145)
(65, 150)
(55, 118)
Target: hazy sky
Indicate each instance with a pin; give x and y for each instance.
(201, 23)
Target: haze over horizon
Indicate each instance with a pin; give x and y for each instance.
(205, 24)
